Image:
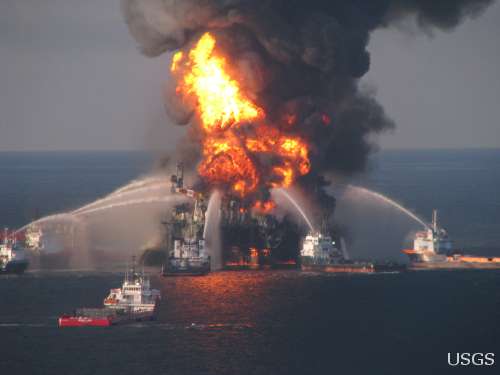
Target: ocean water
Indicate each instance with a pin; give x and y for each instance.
(260, 322)
(257, 322)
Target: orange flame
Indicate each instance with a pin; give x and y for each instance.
(231, 153)
(220, 100)
(224, 162)
(264, 207)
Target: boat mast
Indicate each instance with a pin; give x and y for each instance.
(133, 268)
(434, 221)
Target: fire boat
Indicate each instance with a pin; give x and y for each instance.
(320, 252)
(434, 249)
(12, 255)
(134, 301)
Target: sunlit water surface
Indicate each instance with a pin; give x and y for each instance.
(256, 322)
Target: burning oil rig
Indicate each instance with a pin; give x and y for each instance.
(251, 236)
(246, 150)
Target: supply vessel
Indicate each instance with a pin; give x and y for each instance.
(134, 301)
(320, 252)
(12, 255)
(434, 249)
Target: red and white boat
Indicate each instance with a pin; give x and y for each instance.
(134, 301)
(433, 249)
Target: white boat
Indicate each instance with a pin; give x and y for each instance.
(320, 252)
(434, 249)
(134, 301)
(135, 295)
(12, 255)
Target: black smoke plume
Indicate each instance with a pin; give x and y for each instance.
(296, 57)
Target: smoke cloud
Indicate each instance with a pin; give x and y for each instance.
(299, 60)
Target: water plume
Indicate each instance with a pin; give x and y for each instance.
(361, 191)
(54, 217)
(374, 226)
(132, 202)
(284, 193)
(123, 193)
(134, 184)
(211, 231)
(133, 187)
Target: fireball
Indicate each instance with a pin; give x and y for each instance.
(241, 151)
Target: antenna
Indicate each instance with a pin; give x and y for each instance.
(434, 221)
(180, 175)
(133, 266)
(126, 272)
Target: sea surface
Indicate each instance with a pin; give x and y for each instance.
(260, 322)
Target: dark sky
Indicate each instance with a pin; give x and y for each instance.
(72, 78)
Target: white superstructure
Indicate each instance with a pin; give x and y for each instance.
(432, 244)
(192, 248)
(433, 249)
(135, 294)
(321, 248)
(12, 255)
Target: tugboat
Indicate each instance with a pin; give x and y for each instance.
(134, 301)
(320, 253)
(434, 249)
(186, 251)
(12, 255)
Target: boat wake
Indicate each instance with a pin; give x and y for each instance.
(192, 326)
(23, 324)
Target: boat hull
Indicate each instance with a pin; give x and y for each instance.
(310, 264)
(338, 268)
(14, 267)
(104, 318)
(390, 267)
(186, 270)
(81, 321)
(452, 266)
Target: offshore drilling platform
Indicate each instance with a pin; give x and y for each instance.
(251, 237)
